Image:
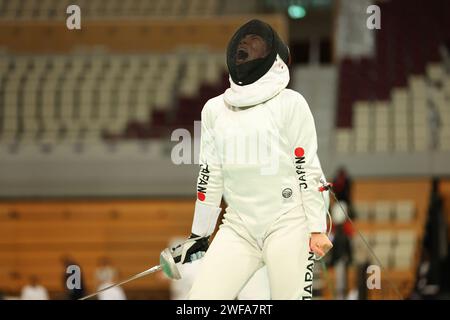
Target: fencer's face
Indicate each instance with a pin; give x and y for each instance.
(251, 47)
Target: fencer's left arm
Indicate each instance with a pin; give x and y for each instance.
(302, 136)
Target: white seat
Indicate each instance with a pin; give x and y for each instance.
(49, 137)
(420, 119)
(361, 145)
(382, 145)
(360, 255)
(358, 243)
(383, 253)
(27, 138)
(8, 137)
(382, 127)
(404, 255)
(406, 248)
(405, 237)
(162, 100)
(402, 261)
(446, 87)
(10, 124)
(385, 238)
(362, 136)
(444, 140)
(435, 72)
(420, 131)
(72, 136)
(115, 126)
(142, 112)
(401, 138)
(404, 211)
(361, 114)
(401, 142)
(363, 211)
(420, 144)
(344, 143)
(30, 125)
(382, 211)
(417, 86)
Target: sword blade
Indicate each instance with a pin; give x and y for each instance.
(137, 276)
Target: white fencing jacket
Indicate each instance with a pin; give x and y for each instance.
(259, 150)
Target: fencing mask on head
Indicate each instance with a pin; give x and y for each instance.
(252, 51)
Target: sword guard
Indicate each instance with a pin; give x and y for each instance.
(325, 186)
(168, 264)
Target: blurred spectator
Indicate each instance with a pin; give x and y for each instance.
(105, 272)
(360, 290)
(34, 290)
(106, 275)
(435, 242)
(363, 291)
(342, 185)
(341, 255)
(424, 289)
(75, 293)
(434, 124)
(115, 293)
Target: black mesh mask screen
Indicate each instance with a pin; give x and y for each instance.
(251, 71)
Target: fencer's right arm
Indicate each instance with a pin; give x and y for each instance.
(209, 196)
(209, 182)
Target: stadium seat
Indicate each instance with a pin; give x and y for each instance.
(405, 238)
(435, 72)
(344, 141)
(83, 94)
(385, 238)
(404, 211)
(363, 211)
(97, 9)
(382, 128)
(382, 211)
(383, 253)
(403, 256)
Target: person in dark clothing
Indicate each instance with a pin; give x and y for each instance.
(436, 239)
(341, 258)
(72, 280)
(341, 255)
(342, 186)
(362, 281)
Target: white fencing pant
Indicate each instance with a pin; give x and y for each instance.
(234, 256)
(257, 288)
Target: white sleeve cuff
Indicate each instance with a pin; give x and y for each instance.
(317, 228)
(205, 219)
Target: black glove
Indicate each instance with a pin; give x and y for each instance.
(192, 249)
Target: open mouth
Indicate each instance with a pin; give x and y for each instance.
(241, 55)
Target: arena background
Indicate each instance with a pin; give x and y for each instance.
(87, 117)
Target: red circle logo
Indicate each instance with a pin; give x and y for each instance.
(299, 152)
(201, 196)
